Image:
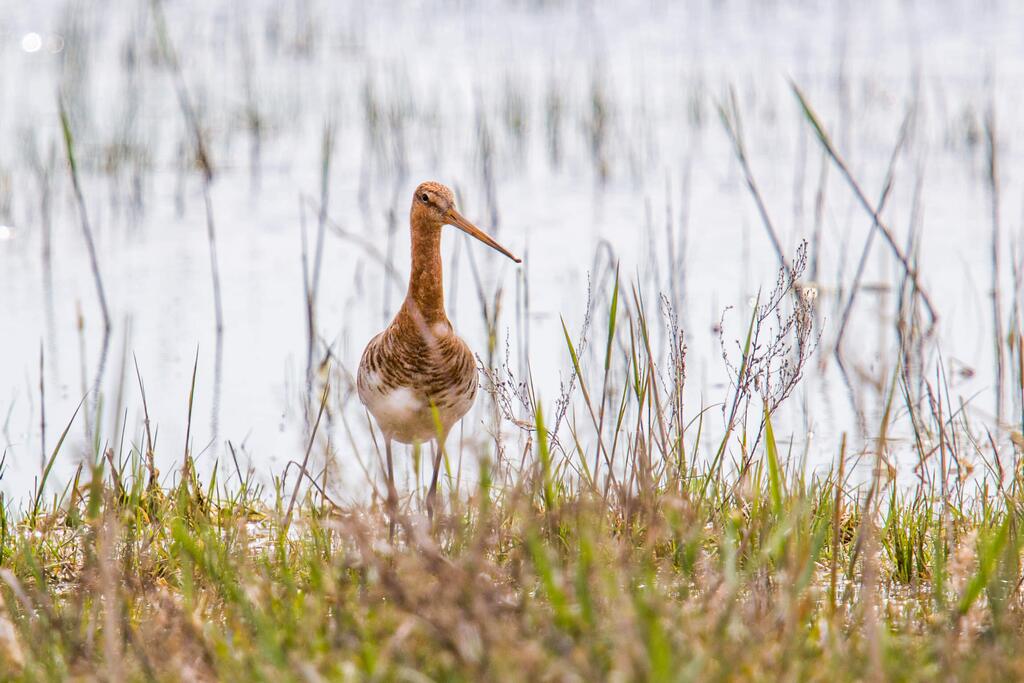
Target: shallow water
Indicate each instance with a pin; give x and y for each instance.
(563, 126)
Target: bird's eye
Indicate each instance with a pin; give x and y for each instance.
(424, 197)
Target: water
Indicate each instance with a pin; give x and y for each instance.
(570, 130)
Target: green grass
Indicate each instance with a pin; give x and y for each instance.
(662, 567)
(534, 581)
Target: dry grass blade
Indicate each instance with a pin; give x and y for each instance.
(872, 211)
(730, 118)
(69, 148)
(305, 460)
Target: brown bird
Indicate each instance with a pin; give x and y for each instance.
(417, 378)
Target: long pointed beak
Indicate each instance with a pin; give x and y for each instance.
(455, 218)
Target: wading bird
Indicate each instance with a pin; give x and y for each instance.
(417, 378)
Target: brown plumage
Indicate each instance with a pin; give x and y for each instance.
(418, 364)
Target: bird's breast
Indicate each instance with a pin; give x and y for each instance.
(415, 388)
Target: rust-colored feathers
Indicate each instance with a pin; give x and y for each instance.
(418, 363)
(410, 367)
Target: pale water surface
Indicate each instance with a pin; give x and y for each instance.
(576, 131)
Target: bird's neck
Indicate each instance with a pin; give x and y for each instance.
(426, 288)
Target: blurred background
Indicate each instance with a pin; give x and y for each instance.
(245, 172)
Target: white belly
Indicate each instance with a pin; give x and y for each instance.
(405, 415)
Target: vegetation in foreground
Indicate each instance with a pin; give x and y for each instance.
(689, 579)
(602, 549)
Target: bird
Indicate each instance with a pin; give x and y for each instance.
(417, 378)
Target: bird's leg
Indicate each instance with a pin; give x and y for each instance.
(392, 492)
(438, 450)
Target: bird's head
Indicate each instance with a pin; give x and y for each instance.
(433, 205)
